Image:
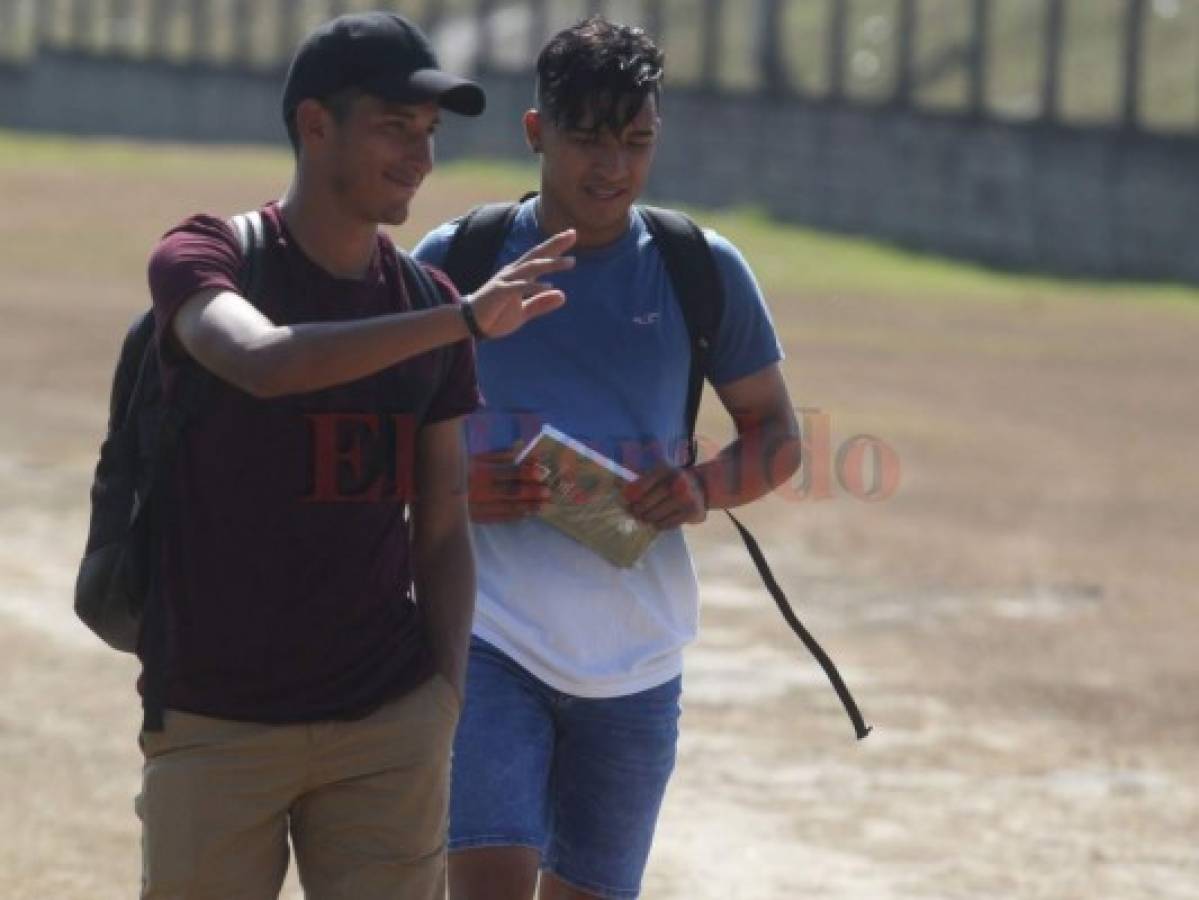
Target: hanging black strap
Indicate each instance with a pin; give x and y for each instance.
(780, 599)
(193, 383)
(697, 284)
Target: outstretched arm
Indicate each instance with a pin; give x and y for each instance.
(228, 335)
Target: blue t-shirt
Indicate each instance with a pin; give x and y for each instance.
(610, 369)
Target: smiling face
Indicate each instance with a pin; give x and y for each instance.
(596, 126)
(591, 174)
(369, 154)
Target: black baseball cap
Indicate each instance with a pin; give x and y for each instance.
(383, 54)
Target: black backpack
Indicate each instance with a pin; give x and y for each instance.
(135, 458)
(470, 261)
(114, 590)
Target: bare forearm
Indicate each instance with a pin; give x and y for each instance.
(298, 359)
(230, 337)
(764, 455)
(757, 462)
(445, 590)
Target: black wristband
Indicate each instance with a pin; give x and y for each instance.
(472, 324)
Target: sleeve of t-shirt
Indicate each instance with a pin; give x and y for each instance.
(199, 254)
(435, 246)
(458, 394)
(746, 341)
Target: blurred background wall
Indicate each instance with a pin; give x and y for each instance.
(1058, 135)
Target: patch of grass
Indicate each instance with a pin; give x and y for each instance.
(20, 150)
(791, 259)
(497, 178)
(787, 259)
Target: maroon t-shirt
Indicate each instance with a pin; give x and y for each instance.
(286, 568)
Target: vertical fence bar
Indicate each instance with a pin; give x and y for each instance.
(838, 41)
(980, 29)
(655, 21)
(82, 22)
(290, 16)
(595, 7)
(905, 52)
(1134, 33)
(484, 22)
(241, 14)
(771, 67)
(710, 45)
(202, 49)
(432, 13)
(539, 26)
(1051, 74)
(8, 29)
(119, 28)
(47, 16)
(160, 18)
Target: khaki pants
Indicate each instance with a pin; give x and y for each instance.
(365, 803)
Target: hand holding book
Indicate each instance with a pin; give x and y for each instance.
(502, 490)
(587, 500)
(666, 497)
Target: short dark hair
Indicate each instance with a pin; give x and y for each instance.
(339, 106)
(597, 71)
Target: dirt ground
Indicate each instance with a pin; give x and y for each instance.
(1017, 621)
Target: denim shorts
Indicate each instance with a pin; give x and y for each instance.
(580, 780)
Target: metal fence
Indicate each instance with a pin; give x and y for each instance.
(1125, 63)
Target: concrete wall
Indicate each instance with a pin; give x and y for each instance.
(1052, 198)
(81, 94)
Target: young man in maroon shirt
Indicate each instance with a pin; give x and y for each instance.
(316, 612)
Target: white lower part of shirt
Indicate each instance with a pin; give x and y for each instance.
(578, 623)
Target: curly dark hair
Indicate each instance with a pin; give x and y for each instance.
(597, 72)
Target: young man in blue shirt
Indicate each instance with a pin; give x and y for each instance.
(568, 734)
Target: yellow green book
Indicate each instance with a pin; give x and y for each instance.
(585, 497)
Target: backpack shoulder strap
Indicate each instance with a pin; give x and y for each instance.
(697, 285)
(193, 384)
(470, 260)
(193, 379)
(421, 288)
(423, 293)
(137, 353)
(250, 230)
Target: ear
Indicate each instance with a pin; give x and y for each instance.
(532, 123)
(313, 122)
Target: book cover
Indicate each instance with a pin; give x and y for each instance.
(585, 502)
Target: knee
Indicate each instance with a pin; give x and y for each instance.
(494, 873)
